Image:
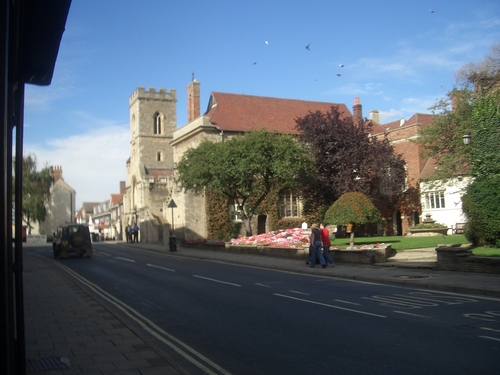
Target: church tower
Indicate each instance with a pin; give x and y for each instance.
(153, 121)
(150, 167)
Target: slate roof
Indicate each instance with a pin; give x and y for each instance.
(244, 113)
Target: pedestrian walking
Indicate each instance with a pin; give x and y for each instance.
(315, 242)
(135, 231)
(325, 239)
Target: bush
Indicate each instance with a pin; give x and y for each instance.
(429, 226)
(287, 223)
(481, 204)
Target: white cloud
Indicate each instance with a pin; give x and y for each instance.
(93, 163)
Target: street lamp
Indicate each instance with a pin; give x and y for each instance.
(466, 138)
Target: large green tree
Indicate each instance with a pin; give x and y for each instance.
(443, 138)
(245, 169)
(348, 158)
(36, 191)
(482, 199)
(472, 108)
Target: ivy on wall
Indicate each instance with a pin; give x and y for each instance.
(219, 224)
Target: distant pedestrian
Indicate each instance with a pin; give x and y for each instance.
(315, 242)
(128, 233)
(325, 239)
(135, 230)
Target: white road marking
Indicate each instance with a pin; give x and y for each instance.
(104, 254)
(216, 281)
(297, 292)
(264, 285)
(162, 268)
(179, 346)
(126, 259)
(490, 329)
(332, 306)
(407, 313)
(490, 338)
(350, 303)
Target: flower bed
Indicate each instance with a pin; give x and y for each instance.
(296, 237)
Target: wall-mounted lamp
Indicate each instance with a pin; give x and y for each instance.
(466, 138)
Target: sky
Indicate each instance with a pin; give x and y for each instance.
(398, 57)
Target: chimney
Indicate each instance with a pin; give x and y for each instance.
(122, 187)
(374, 116)
(56, 173)
(357, 110)
(193, 91)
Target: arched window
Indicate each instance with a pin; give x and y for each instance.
(157, 123)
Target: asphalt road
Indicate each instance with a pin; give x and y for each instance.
(219, 318)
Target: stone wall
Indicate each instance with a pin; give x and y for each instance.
(461, 258)
(364, 256)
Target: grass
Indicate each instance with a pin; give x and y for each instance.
(400, 243)
(404, 242)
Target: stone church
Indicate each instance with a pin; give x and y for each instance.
(152, 199)
(161, 208)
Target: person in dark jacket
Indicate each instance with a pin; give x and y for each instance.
(316, 244)
(135, 231)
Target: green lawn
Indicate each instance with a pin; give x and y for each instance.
(404, 242)
(399, 243)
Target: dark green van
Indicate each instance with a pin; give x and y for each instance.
(72, 239)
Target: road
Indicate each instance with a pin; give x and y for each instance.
(219, 318)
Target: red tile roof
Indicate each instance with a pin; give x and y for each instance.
(116, 199)
(243, 113)
(417, 119)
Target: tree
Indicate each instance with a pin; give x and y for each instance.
(482, 199)
(245, 169)
(36, 191)
(352, 208)
(443, 138)
(484, 76)
(348, 158)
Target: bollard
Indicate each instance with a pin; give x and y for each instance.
(172, 243)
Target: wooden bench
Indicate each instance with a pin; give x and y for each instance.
(459, 228)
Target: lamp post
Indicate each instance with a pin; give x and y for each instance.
(466, 139)
(172, 239)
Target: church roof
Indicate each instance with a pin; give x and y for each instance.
(244, 113)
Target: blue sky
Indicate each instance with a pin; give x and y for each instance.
(398, 57)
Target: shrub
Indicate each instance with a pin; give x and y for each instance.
(429, 226)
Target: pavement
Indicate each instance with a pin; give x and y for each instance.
(68, 331)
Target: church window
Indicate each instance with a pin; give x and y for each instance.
(158, 156)
(157, 123)
(290, 204)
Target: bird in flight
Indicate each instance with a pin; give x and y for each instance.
(255, 63)
(308, 47)
(338, 74)
(433, 10)
(267, 43)
(341, 65)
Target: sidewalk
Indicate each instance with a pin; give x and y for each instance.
(68, 331)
